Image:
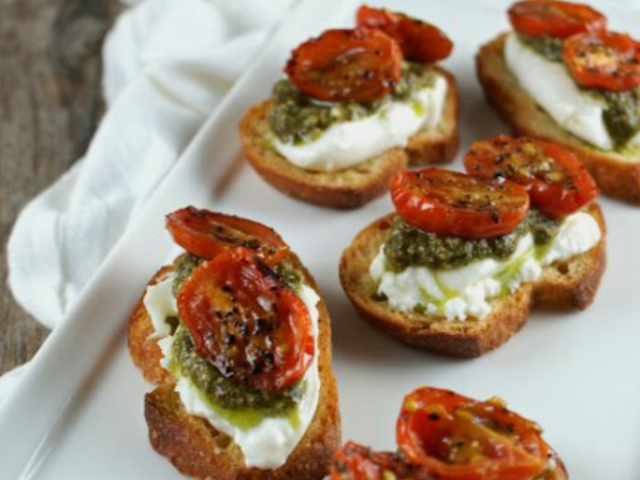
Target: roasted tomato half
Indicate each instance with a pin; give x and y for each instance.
(555, 19)
(453, 204)
(456, 438)
(605, 60)
(206, 234)
(360, 65)
(355, 462)
(246, 322)
(558, 183)
(419, 41)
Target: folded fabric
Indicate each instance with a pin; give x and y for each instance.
(167, 65)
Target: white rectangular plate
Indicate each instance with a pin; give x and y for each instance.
(79, 411)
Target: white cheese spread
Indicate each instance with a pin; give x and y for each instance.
(465, 292)
(345, 144)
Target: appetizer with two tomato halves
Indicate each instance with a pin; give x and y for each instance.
(562, 76)
(457, 267)
(237, 341)
(356, 106)
(445, 436)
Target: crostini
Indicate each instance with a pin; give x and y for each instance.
(457, 268)
(237, 341)
(442, 435)
(356, 106)
(561, 75)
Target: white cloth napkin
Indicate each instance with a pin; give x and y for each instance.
(167, 64)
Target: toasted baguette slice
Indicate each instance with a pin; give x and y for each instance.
(570, 284)
(617, 175)
(357, 185)
(199, 450)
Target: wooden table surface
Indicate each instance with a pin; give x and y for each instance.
(50, 105)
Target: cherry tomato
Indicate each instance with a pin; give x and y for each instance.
(556, 180)
(454, 204)
(606, 60)
(206, 234)
(355, 462)
(456, 438)
(554, 18)
(418, 40)
(360, 65)
(246, 322)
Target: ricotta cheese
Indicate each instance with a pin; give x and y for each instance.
(578, 233)
(465, 292)
(551, 86)
(345, 144)
(268, 444)
(161, 304)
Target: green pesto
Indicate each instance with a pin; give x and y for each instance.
(299, 119)
(289, 275)
(247, 406)
(188, 263)
(622, 115)
(184, 268)
(543, 228)
(549, 47)
(622, 112)
(408, 246)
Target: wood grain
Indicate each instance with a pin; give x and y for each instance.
(50, 105)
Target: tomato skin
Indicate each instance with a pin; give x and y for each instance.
(356, 462)
(456, 438)
(206, 234)
(555, 18)
(457, 205)
(224, 304)
(605, 60)
(557, 181)
(418, 40)
(348, 65)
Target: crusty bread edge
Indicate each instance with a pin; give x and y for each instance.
(469, 341)
(439, 146)
(196, 448)
(143, 346)
(617, 176)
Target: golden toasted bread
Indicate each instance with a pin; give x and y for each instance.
(617, 175)
(357, 185)
(199, 450)
(567, 284)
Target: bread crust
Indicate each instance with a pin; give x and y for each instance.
(357, 185)
(439, 144)
(570, 284)
(617, 175)
(143, 347)
(199, 450)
